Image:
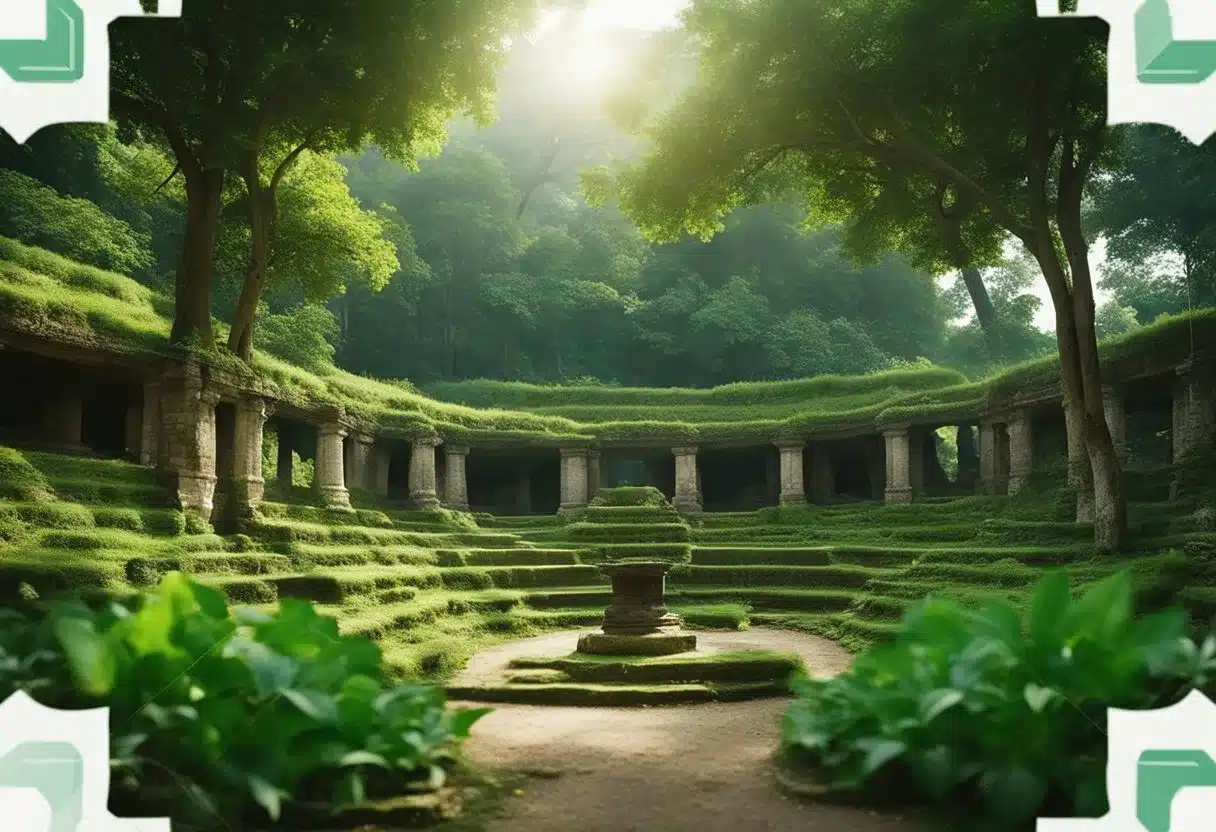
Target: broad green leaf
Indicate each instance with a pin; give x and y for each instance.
(937, 702)
(1105, 609)
(1038, 697)
(880, 752)
(464, 719)
(320, 706)
(271, 672)
(1049, 609)
(268, 796)
(363, 758)
(89, 655)
(1014, 793)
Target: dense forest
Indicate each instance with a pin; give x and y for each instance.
(485, 260)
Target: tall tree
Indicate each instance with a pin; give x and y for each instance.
(1002, 109)
(246, 87)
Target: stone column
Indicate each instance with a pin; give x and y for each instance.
(187, 446)
(423, 492)
(455, 483)
(1194, 407)
(1080, 474)
(359, 473)
(574, 478)
(688, 493)
(248, 487)
(1021, 450)
(593, 475)
(1115, 408)
(793, 491)
(899, 467)
(134, 430)
(329, 471)
(917, 441)
(149, 423)
(285, 461)
(989, 448)
(64, 417)
(383, 461)
(822, 476)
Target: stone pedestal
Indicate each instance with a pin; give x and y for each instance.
(637, 623)
(456, 485)
(248, 486)
(1021, 451)
(424, 492)
(899, 467)
(330, 466)
(687, 499)
(793, 491)
(574, 478)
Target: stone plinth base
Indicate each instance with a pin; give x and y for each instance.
(637, 623)
(654, 644)
(898, 495)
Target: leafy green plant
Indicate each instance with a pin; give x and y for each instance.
(983, 708)
(221, 718)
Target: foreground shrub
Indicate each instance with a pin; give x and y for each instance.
(985, 709)
(219, 718)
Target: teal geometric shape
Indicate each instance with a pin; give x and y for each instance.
(1160, 58)
(56, 770)
(57, 60)
(1161, 774)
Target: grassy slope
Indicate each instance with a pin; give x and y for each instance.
(48, 296)
(433, 588)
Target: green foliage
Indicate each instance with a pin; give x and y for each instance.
(184, 678)
(630, 495)
(931, 714)
(76, 228)
(305, 336)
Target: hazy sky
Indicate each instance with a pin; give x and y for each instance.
(656, 14)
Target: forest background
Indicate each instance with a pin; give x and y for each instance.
(487, 262)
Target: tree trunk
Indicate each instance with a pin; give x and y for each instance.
(985, 312)
(192, 289)
(261, 219)
(1110, 502)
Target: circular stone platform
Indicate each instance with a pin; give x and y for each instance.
(725, 666)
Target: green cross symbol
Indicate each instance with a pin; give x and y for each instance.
(1163, 59)
(57, 60)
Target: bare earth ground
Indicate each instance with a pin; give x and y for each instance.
(702, 768)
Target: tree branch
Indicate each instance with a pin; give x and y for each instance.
(176, 170)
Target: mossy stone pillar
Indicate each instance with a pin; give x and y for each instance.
(64, 416)
(593, 474)
(687, 497)
(187, 446)
(330, 467)
(1021, 450)
(574, 478)
(990, 448)
(823, 478)
(899, 466)
(1194, 407)
(382, 461)
(456, 484)
(423, 490)
(1114, 405)
(149, 423)
(359, 472)
(793, 490)
(248, 486)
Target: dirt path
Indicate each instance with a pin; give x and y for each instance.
(702, 768)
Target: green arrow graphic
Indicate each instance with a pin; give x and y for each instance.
(57, 60)
(1163, 59)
